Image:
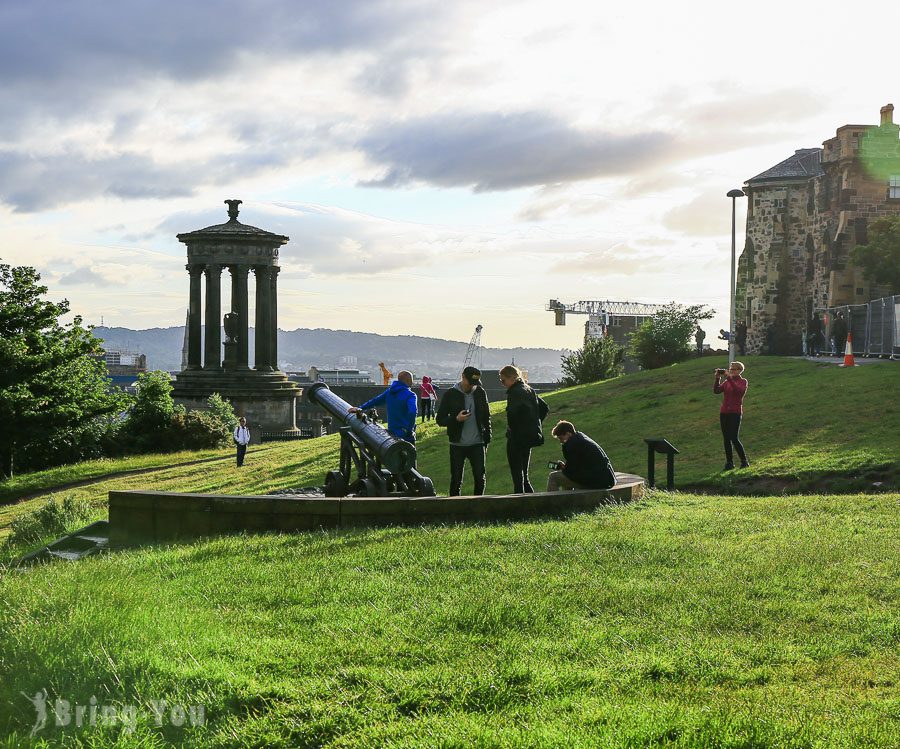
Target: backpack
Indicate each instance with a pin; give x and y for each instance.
(542, 410)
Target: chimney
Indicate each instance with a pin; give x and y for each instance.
(887, 115)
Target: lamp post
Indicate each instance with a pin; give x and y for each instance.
(732, 347)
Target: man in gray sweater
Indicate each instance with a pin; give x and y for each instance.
(464, 411)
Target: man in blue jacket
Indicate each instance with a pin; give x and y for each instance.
(400, 402)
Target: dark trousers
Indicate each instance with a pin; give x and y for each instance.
(519, 457)
(241, 452)
(731, 429)
(458, 456)
(426, 408)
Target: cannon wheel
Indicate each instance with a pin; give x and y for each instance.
(335, 486)
(368, 488)
(426, 488)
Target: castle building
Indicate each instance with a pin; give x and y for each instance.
(804, 217)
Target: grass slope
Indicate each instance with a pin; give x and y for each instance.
(679, 621)
(808, 426)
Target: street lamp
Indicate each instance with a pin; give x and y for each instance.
(732, 348)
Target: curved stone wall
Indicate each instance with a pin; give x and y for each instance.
(137, 517)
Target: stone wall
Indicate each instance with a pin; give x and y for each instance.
(137, 517)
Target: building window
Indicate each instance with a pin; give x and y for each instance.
(894, 187)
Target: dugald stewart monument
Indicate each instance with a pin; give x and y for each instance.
(262, 393)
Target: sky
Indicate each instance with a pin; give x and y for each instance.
(436, 165)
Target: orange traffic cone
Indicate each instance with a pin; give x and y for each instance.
(849, 361)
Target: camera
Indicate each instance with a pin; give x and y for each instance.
(553, 465)
(720, 371)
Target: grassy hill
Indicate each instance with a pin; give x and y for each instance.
(684, 620)
(807, 427)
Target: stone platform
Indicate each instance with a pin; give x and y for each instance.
(137, 517)
(266, 399)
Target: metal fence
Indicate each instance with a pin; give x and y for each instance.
(875, 327)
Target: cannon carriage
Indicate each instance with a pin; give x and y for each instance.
(373, 463)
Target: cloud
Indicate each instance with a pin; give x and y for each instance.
(555, 202)
(494, 151)
(92, 40)
(709, 214)
(621, 259)
(35, 182)
(85, 276)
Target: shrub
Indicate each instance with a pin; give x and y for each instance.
(51, 519)
(667, 336)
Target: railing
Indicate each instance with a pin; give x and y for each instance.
(303, 433)
(875, 327)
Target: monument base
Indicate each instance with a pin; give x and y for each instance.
(268, 400)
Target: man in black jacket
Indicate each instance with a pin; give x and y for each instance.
(465, 412)
(586, 465)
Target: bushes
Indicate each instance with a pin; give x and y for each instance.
(156, 424)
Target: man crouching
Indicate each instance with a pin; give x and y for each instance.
(586, 465)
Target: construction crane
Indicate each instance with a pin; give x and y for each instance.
(386, 374)
(605, 317)
(474, 345)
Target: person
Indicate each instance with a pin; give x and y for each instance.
(524, 414)
(724, 335)
(586, 465)
(699, 337)
(427, 396)
(839, 331)
(740, 336)
(241, 439)
(731, 383)
(814, 335)
(400, 403)
(464, 411)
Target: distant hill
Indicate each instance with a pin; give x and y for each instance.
(299, 349)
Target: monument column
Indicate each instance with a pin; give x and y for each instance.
(213, 349)
(273, 318)
(195, 318)
(239, 304)
(263, 318)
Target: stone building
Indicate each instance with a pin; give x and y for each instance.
(804, 216)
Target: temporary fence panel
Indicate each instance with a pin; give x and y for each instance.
(875, 327)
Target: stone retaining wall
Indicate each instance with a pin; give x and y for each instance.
(137, 517)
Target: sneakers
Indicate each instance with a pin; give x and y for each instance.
(745, 464)
(728, 467)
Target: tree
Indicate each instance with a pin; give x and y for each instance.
(667, 336)
(599, 359)
(880, 258)
(55, 399)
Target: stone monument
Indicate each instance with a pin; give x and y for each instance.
(263, 394)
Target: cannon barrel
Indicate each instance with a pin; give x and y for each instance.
(397, 455)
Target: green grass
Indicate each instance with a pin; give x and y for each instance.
(807, 427)
(680, 621)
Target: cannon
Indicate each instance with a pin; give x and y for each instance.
(385, 466)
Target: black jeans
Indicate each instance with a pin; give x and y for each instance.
(241, 452)
(731, 429)
(519, 456)
(426, 410)
(458, 455)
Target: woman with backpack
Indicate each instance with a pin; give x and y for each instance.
(524, 413)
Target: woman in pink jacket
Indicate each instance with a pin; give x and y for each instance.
(427, 396)
(731, 383)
